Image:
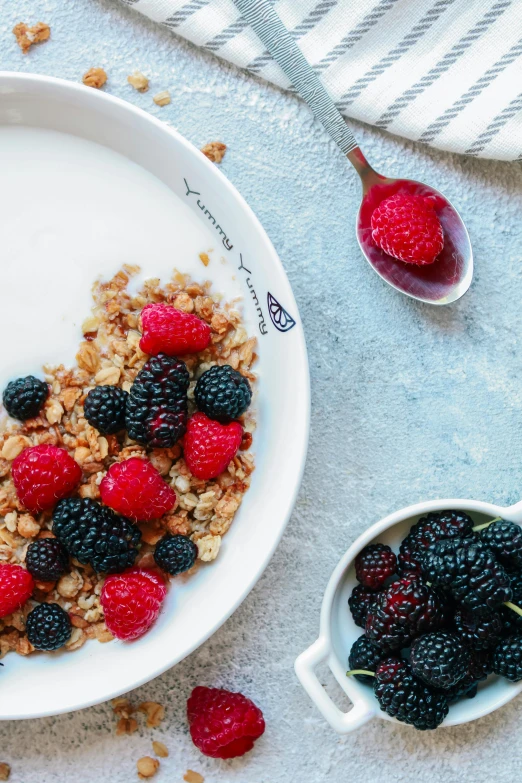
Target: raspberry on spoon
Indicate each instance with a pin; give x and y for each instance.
(407, 227)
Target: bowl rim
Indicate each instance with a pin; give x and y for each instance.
(10, 79)
(324, 647)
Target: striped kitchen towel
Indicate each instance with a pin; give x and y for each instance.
(443, 72)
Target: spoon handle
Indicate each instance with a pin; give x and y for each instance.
(266, 23)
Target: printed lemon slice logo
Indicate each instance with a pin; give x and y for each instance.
(281, 319)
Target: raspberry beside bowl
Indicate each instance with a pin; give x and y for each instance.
(338, 630)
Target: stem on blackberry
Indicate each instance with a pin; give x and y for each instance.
(485, 525)
(360, 671)
(515, 608)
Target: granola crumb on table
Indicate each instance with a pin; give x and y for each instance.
(110, 354)
(162, 98)
(147, 767)
(139, 81)
(160, 749)
(155, 713)
(95, 77)
(27, 36)
(215, 151)
(5, 771)
(193, 777)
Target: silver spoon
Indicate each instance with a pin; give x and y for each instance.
(442, 282)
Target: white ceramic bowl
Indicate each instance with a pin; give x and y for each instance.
(338, 630)
(122, 186)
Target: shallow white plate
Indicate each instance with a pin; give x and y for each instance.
(89, 182)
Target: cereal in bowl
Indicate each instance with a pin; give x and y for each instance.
(125, 470)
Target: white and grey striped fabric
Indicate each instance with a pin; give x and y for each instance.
(444, 72)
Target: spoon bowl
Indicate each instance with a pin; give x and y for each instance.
(449, 276)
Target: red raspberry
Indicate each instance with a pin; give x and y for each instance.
(43, 475)
(171, 331)
(223, 725)
(131, 602)
(135, 489)
(16, 586)
(407, 227)
(209, 445)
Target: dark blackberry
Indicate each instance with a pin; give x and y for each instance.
(439, 562)
(403, 611)
(481, 664)
(434, 527)
(96, 535)
(513, 621)
(24, 398)
(157, 404)
(480, 632)
(504, 539)
(46, 559)
(374, 565)
(104, 409)
(507, 658)
(480, 582)
(404, 697)
(222, 393)
(364, 655)
(440, 659)
(472, 573)
(48, 627)
(360, 602)
(175, 554)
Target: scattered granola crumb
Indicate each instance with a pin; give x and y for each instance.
(215, 151)
(193, 777)
(122, 707)
(147, 767)
(5, 771)
(205, 260)
(162, 98)
(160, 749)
(95, 77)
(126, 726)
(155, 713)
(139, 81)
(26, 37)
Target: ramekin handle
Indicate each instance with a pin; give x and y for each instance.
(341, 722)
(514, 513)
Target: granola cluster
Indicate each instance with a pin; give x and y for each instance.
(27, 36)
(110, 355)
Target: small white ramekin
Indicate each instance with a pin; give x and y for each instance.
(338, 630)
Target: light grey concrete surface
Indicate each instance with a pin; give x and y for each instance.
(410, 402)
